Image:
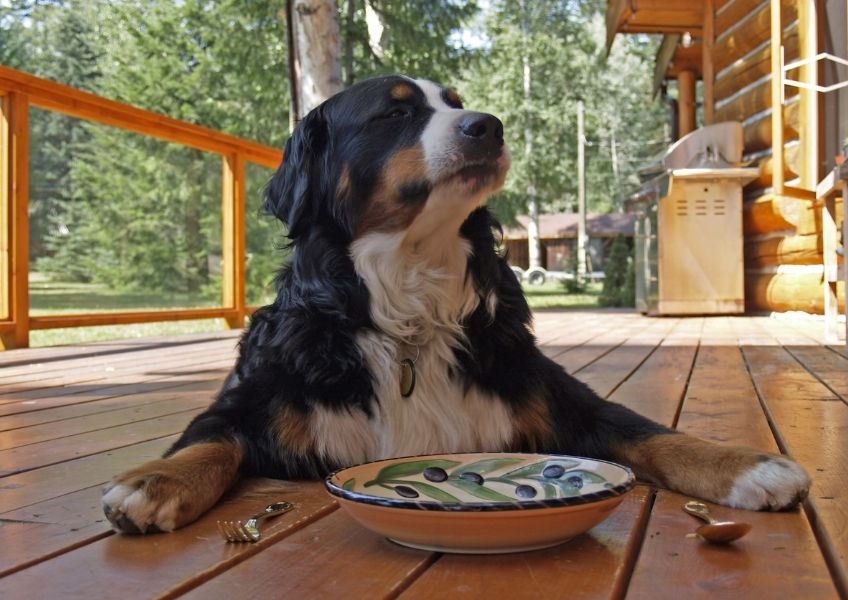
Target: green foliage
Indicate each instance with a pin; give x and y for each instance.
(121, 210)
(417, 38)
(619, 275)
(568, 62)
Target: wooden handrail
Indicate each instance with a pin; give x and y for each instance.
(19, 91)
(84, 105)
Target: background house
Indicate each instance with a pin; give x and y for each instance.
(558, 234)
(741, 52)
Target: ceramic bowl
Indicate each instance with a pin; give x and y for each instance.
(481, 503)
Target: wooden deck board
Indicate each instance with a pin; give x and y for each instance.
(72, 417)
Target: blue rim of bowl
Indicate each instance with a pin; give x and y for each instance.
(527, 504)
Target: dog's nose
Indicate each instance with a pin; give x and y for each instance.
(483, 127)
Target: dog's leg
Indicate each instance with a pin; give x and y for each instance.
(732, 475)
(165, 494)
(586, 424)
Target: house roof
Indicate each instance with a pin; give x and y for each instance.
(564, 225)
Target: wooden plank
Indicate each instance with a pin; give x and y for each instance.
(606, 373)
(60, 371)
(592, 565)
(42, 484)
(83, 105)
(91, 392)
(578, 358)
(25, 356)
(581, 334)
(125, 318)
(735, 12)
(825, 365)
(813, 425)
(366, 565)
(781, 555)
(656, 389)
(124, 565)
(51, 452)
(169, 390)
(181, 401)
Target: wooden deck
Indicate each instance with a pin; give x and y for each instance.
(72, 417)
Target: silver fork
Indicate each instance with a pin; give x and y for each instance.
(247, 531)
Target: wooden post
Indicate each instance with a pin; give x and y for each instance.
(686, 102)
(776, 98)
(14, 243)
(707, 65)
(831, 270)
(233, 238)
(808, 97)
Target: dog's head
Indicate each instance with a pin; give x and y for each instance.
(388, 154)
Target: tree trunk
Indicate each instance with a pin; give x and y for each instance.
(314, 53)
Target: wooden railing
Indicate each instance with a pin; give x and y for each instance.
(19, 91)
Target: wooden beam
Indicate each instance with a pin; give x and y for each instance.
(233, 238)
(707, 65)
(615, 13)
(686, 102)
(5, 219)
(746, 70)
(753, 31)
(776, 88)
(753, 100)
(788, 290)
(15, 181)
(757, 134)
(126, 318)
(664, 54)
(783, 250)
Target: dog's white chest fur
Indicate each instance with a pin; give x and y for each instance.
(413, 304)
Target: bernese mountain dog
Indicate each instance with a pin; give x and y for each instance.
(399, 329)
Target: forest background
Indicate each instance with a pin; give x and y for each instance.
(129, 213)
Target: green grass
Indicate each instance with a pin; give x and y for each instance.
(48, 297)
(553, 295)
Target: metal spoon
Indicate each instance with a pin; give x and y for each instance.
(715, 532)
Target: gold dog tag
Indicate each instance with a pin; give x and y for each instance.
(407, 377)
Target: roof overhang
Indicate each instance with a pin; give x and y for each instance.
(653, 16)
(679, 21)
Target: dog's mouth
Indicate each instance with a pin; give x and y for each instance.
(477, 174)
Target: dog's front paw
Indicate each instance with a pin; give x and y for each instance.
(165, 494)
(136, 503)
(774, 483)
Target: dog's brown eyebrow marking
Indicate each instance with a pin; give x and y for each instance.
(451, 98)
(402, 91)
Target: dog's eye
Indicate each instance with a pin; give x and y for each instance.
(395, 113)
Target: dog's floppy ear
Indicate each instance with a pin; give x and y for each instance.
(297, 192)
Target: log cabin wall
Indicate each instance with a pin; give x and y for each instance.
(783, 238)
